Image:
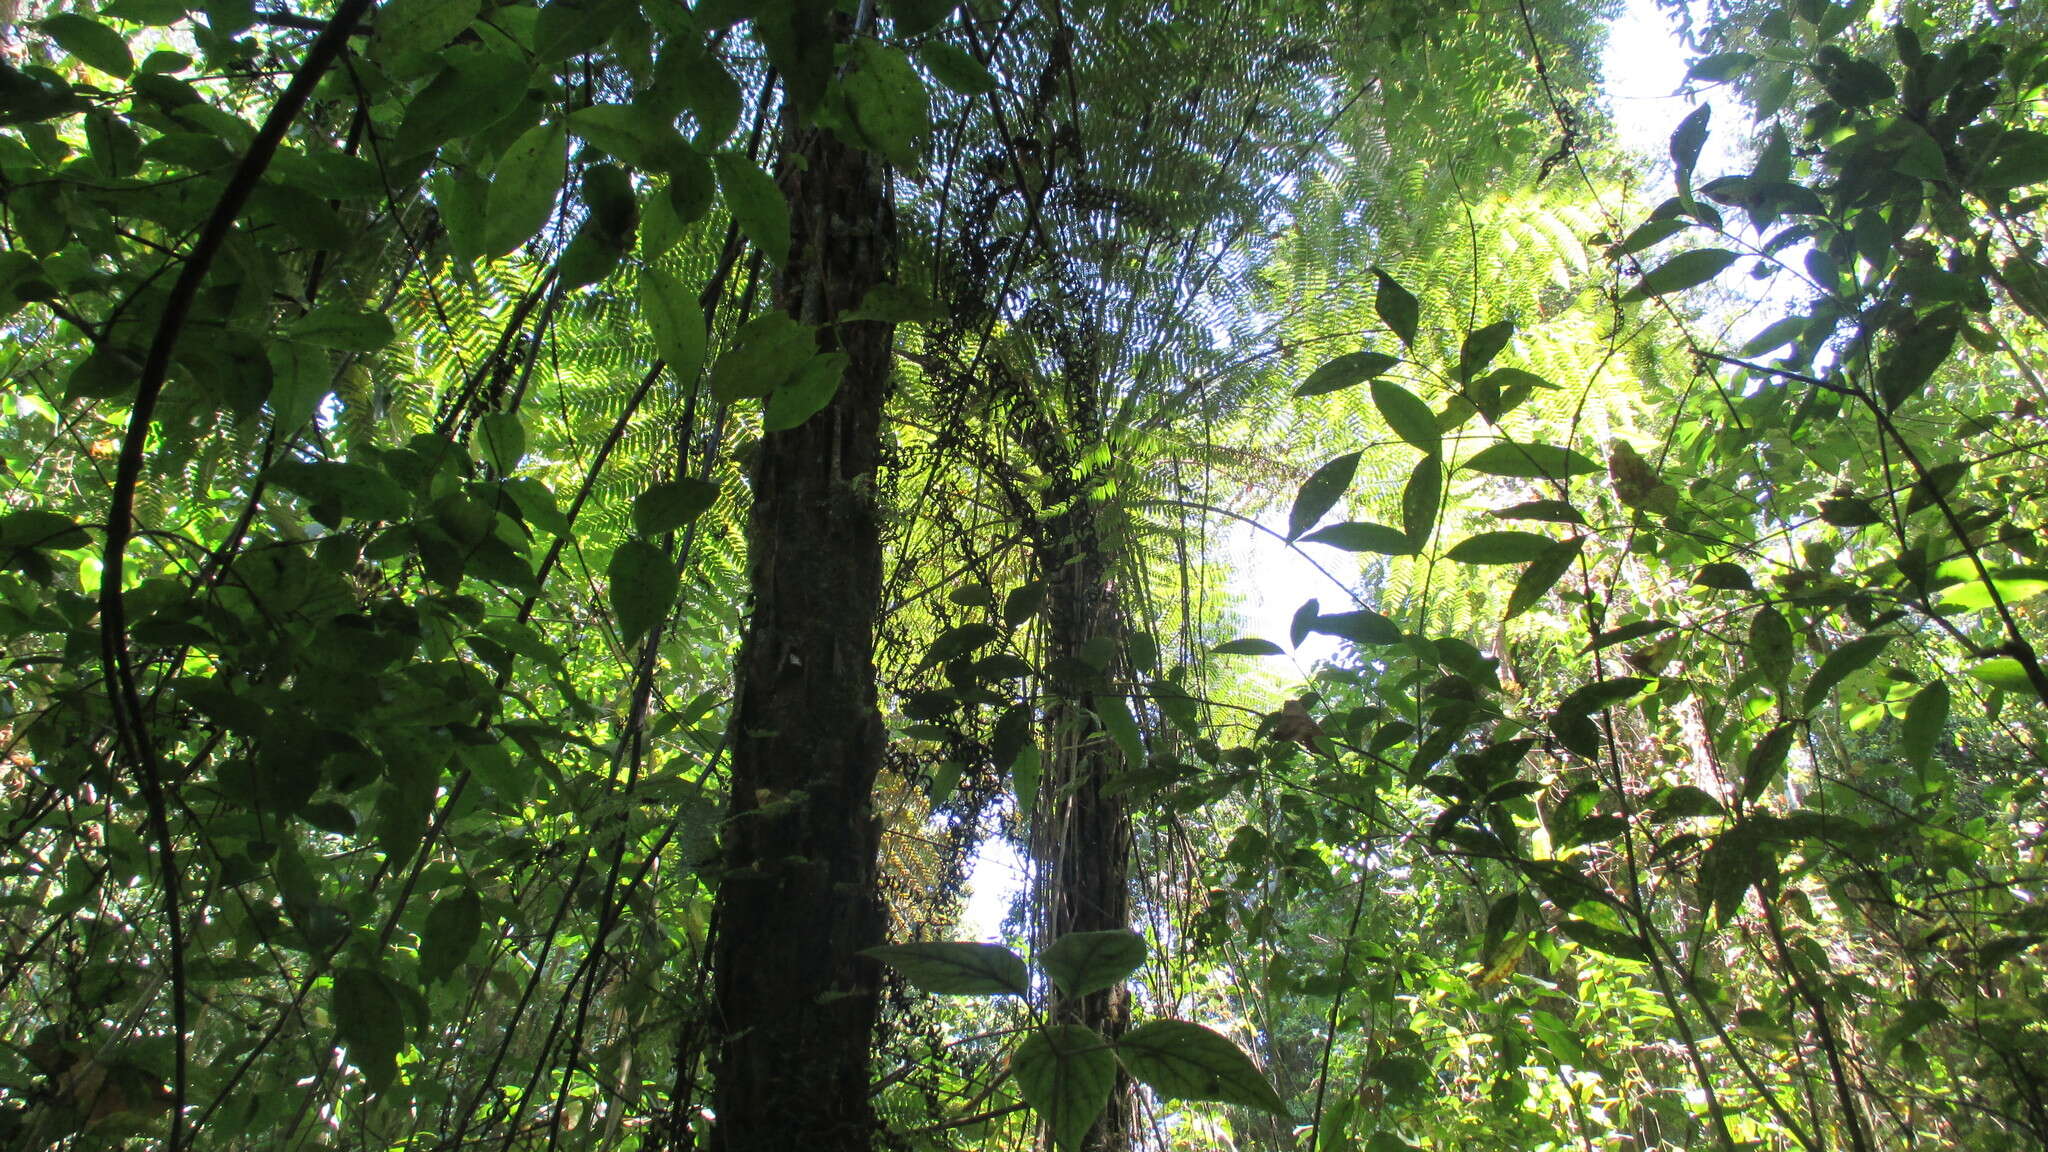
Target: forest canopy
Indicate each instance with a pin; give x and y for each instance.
(543, 544)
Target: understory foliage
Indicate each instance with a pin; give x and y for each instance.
(384, 391)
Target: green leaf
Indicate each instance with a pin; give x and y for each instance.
(677, 321)
(807, 395)
(1421, 500)
(1320, 492)
(756, 203)
(1723, 576)
(1065, 1072)
(90, 42)
(915, 17)
(957, 967)
(369, 1020)
(354, 490)
(1362, 536)
(1345, 371)
(1719, 67)
(2021, 159)
(1116, 719)
(1682, 271)
(1084, 962)
(1500, 548)
(1590, 935)
(1926, 720)
(1530, 462)
(1250, 646)
(342, 329)
(1183, 1061)
(1542, 574)
(1837, 667)
(403, 27)
(40, 528)
(668, 506)
(1408, 416)
(1481, 347)
(643, 589)
(1548, 511)
(1770, 645)
(523, 189)
(768, 352)
(1396, 306)
(1364, 626)
(886, 105)
(1686, 141)
(1651, 234)
(2004, 672)
(502, 439)
(452, 929)
(1023, 602)
(952, 66)
(1765, 761)
(634, 133)
(1625, 633)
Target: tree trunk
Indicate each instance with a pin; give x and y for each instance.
(1085, 848)
(794, 1004)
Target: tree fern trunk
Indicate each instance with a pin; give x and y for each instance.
(1085, 849)
(794, 1004)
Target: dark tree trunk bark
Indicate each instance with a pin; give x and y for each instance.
(1086, 841)
(794, 1004)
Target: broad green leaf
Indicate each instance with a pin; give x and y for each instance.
(2004, 672)
(1601, 694)
(1250, 646)
(90, 42)
(1364, 626)
(1320, 492)
(958, 641)
(342, 329)
(1345, 371)
(1542, 574)
(1548, 511)
(756, 203)
(1183, 1061)
(1084, 962)
(1116, 719)
(1651, 234)
(1627, 632)
(1770, 645)
(1065, 1072)
(2021, 159)
(369, 1021)
(886, 104)
(643, 588)
(1723, 576)
(1481, 346)
(1396, 306)
(1926, 720)
(1531, 461)
(523, 189)
(1686, 141)
(1719, 67)
(452, 929)
(1685, 270)
(768, 352)
(1599, 939)
(1837, 667)
(1362, 536)
(952, 66)
(40, 528)
(676, 320)
(1421, 501)
(1500, 548)
(669, 505)
(502, 440)
(403, 27)
(351, 490)
(1684, 802)
(1023, 602)
(1408, 416)
(957, 967)
(1765, 761)
(916, 17)
(807, 395)
(634, 133)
